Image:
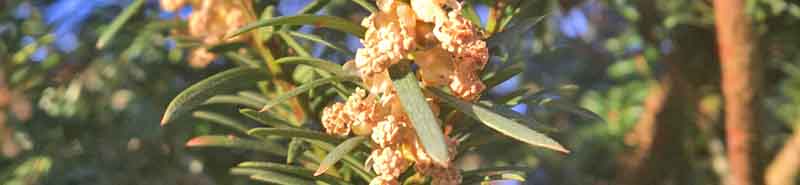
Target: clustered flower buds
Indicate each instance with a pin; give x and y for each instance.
(449, 52)
(210, 21)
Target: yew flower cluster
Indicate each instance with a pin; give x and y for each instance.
(449, 52)
(210, 21)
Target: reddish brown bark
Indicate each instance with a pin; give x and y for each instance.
(660, 156)
(785, 168)
(740, 81)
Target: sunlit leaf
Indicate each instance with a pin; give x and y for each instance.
(425, 123)
(221, 119)
(26, 51)
(271, 176)
(496, 175)
(232, 99)
(313, 7)
(348, 160)
(31, 171)
(321, 64)
(495, 171)
(305, 88)
(502, 76)
(235, 142)
(515, 116)
(318, 39)
(326, 21)
(222, 83)
(254, 96)
(468, 10)
(123, 17)
(265, 118)
(337, 153)
(294, 132)
(366, 4)
(293, 44)
(500, 123)
(294, 170)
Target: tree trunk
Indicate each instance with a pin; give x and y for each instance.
(785, 167)
(660, 157)
(740, 80)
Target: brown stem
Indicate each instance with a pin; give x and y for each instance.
(785, 168)
(740, 81)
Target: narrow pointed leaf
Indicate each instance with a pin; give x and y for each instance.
(468, 10)
(265, 118)
(503, 75)
(294, 132)
(572, 108)
(337, 153)
(495, 170)
(292, 43)
(425, 123)
(253, 96)
(513, 33)
(225, 47)
(296, 147)
(305, 88)
(348, 160)
(221, 119)
(222, 83)
(501, 124)
(367, 5)
(232, 99)
(321, 64)
(326, 21)
(235, 142)
(271, 176)
(513, 115)
(294, 170)
(552, 93)
(242, 60)
(118, 22)
(318, 39)
(513, 97)
(313, 7)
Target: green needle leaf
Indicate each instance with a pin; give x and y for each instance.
(425, 123)
(367, 5)
(326, 21)
(222, 83)
(294, 132)
(118, 22)
(265, 118)
(233, 99)
(318, 39)
(495, 170)
(500, 123)
(296, 147)
(294, 170)
(501, 76)
(271, 176)
(321, 64)
(305, 88)
(337, 153)
(235, 142)
(220, 119)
